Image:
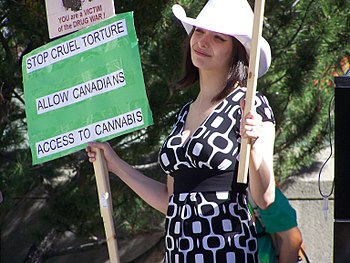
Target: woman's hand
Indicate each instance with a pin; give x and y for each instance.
(262, 136)
(252, 124)
(151, 191)
(109, 154)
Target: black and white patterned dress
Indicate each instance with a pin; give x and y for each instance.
(207, 219)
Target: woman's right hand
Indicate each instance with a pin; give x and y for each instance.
(109, 154)
(151, 191)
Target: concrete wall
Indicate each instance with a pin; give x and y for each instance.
(315, 224)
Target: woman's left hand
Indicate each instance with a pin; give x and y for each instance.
(252, 124)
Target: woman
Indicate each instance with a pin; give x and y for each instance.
(207, 219)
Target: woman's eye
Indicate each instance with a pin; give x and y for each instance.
(220, 38)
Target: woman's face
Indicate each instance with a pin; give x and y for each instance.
(211, 50)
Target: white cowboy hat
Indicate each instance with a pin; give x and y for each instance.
(230, 17)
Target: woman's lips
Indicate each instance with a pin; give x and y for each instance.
(201, 53)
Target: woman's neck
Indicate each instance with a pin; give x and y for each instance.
(210, 84)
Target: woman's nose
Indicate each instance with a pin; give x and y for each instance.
(203, 41)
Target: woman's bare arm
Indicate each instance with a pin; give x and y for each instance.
(153, 192)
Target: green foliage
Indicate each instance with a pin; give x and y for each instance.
(19, 34)
(75, 206)
(307, 39)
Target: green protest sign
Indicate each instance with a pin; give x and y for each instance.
(87, 86)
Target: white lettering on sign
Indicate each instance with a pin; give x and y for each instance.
(81, 92)
(77, 45)
(88, 133)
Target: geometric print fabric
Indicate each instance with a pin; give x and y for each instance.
(205, 227)
(215, 143)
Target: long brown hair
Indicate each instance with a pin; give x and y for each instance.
(236, 75)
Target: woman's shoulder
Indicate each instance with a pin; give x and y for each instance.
(261, 103)
(237, 94)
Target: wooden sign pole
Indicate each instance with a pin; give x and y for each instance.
(106, 208)
(251, 86)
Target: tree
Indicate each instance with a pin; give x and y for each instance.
(307, 37)
(19, 35)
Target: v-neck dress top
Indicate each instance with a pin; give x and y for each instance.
(207, 219)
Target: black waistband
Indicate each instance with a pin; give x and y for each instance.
(206, 180)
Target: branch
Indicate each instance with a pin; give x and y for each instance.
(291, 40)
(30, 9)
(300, 26)
(37, 252)
(17, 96)
(75, 249)
(4, 44)
(133, 139)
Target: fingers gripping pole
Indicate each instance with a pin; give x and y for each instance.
(251, 86)
(106, 208)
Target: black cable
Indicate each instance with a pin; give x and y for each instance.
(304, 255)
(330, 155)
